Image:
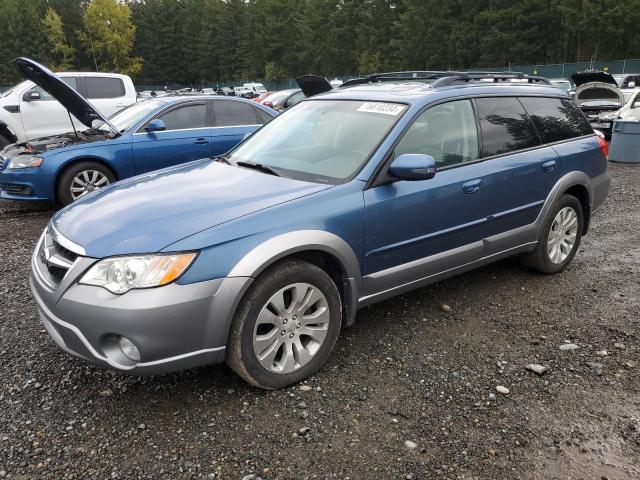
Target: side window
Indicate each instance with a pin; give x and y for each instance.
(262, 116)
(104, 87)
(295, 98)
(505, 126)
(556, 118)
(182, 118)
(233, 113)
(71, 81)
(447, 132)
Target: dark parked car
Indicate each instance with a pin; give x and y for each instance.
(353, 196)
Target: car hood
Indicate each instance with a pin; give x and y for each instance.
(150, 212)
(599, 93)
(581, 78)
(313, 85)
(70, 99)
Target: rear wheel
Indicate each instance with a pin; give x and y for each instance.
(286, 325)
(560, 237)
(82, 178)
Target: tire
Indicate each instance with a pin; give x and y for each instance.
(4, 141)
(546, 261)
(286, 330)
(77, 170)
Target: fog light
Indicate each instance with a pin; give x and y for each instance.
(128, 348)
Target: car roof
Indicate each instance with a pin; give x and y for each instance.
(419, 93)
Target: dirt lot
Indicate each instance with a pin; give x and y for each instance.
(409, 393)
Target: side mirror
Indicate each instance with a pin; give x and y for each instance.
(631, 85)
(30, 96)
(413, 166)
(156, 125)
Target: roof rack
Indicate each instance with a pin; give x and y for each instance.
(446, 78)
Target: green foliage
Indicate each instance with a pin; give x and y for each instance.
(109, 34)
(61, 53)
(202, 41)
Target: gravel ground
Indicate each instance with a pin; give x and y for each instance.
(410, 391)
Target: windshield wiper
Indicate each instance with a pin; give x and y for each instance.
(224, 159)
(260, 167)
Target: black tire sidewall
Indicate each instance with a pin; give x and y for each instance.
(269, 283)
(563, 202)
(64, 183)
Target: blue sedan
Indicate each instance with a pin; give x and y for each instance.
(146, 136)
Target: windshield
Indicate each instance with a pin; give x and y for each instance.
(15, 88)
(323, 141)
(131, 115)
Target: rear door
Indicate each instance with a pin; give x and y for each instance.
(232, 121)
(107, 94)
(187, 137)
(521, 170)
(46, 116)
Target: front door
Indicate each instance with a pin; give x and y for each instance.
(442, 219)
(186, 137)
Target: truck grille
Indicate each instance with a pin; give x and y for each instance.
(53, 260)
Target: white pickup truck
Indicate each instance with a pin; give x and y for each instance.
(28, 112)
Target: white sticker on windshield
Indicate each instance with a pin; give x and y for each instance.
(384, 108)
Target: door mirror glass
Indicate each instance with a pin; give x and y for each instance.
(413, 166)
(31, 95)
(156, 125)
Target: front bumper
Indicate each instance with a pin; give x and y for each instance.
(174, 327)
(24, 184)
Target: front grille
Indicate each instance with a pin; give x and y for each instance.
(15, 189)
(53, 260)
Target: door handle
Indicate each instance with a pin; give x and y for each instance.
(201, 141)
(472, 186)
(549, 166)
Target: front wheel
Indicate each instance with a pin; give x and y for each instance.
(560, 236)
(286, 325)
(82, 178)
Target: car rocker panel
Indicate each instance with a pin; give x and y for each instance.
(259, 264)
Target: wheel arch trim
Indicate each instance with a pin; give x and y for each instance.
(286, 244)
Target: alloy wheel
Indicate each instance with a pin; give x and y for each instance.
(291, 327)
(87, 181)
(563, 234)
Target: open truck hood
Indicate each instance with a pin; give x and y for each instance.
(75, 103)
(582, 78)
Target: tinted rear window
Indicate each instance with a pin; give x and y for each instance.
(230, 113)
(104, 87)
(505, 126)
(556, 118)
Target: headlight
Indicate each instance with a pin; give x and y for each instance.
(25, 161)
(121, 274)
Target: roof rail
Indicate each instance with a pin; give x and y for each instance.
(445, 78)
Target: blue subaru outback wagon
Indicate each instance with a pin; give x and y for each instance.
(259, 257)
